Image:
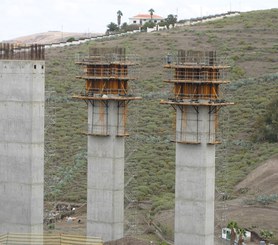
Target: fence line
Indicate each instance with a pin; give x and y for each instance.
(158, 28)
(47, 239)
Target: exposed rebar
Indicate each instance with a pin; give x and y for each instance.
(10, 51)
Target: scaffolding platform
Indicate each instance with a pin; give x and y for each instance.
(107, 73)
(196, 77)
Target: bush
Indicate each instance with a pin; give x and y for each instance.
(267, 124)
(148, 25)
(71, 39)
(51, 226)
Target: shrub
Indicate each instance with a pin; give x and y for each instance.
(71, 39)
(267, 124)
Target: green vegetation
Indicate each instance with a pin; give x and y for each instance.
(236, 231)
(266, 235)
(112, 27)
(51, 226)
(234, 227)
(148, 25)
(151, 12)
(267, 123)
(263, 199)
(239, 152)
(149, 150)
(119, 17)
(71, 39)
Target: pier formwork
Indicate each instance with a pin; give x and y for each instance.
(106, 72)
(196, 77)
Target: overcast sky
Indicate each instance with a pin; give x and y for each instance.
(24, 17)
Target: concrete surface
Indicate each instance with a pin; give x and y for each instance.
(21, 146)
(105, 189)
(195, 177)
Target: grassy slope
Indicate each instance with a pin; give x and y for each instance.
(250, 42)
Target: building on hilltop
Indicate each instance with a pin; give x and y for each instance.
(141, 19)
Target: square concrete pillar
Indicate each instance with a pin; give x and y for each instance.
(21, 145)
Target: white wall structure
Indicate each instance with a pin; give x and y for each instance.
(141, 19)
(21, 143)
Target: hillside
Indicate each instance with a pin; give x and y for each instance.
(261, 181)
(249, 42)
(51, 37)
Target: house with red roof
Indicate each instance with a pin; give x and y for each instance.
(141, 19)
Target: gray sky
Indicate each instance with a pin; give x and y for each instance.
(24, 17)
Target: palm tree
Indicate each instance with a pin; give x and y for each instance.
(242, 233)
(119, 17)
(151, 13)
(234, 227)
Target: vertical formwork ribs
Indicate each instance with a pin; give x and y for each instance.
(106, 72)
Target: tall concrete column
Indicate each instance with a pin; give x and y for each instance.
(195, 177)
(105, 189)
(106, 72)
(196, 77)
(21, 145)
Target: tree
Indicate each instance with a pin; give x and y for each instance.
(233, 226)
(112, 27)
(119, 17)
(71, 39)
(266, 235)
(148, 25)
(171, 20)
(151, 13)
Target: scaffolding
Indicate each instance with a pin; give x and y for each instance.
(107, 72)
(195, 74)
(196, 77)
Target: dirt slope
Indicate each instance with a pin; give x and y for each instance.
(262, 180)
(244, 210)
(51, 37)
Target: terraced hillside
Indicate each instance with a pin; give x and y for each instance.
(250, 44)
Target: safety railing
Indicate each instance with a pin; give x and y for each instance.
(186, 75)
(193, 58)
(196, 97)
(105, 92)
(130, 59)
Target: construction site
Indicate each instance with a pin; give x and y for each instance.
(196, 77)
(193, 88)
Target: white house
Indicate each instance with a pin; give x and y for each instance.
(141, 19)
